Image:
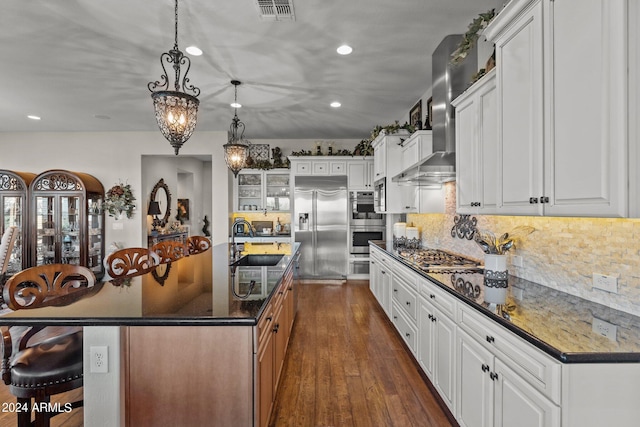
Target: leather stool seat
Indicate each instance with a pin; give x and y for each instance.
(52, 362)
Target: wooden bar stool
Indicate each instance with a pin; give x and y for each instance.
(36, 371)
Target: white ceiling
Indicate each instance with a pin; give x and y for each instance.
(69, 61)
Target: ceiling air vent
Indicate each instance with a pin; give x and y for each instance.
(276, 10)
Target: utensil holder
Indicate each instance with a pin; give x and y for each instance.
(495, 279)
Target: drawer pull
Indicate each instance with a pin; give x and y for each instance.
(395, 317)
(485, 368)
(432, 296)
(490, 339)
(407, 334)
(493, 376)
(409, 303)
(430, 317)
(433, 318)
(395, 290)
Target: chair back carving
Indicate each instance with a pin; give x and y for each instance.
(48, 285)
(130, 262)
(170, 250)
(198, 244)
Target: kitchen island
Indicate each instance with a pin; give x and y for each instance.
(538, 359)
(201, 340)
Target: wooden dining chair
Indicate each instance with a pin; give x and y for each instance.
(34, 371)
(129, 262)
(198, 244)
(170, 250)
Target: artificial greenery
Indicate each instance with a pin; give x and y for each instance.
(393, 128)
(119, 199)
(470, 38)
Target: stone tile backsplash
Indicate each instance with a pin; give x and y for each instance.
(562, 253)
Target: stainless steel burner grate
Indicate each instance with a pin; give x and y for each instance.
(437, 260)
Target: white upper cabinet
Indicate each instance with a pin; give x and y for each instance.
(562, 107)
(360, 174)
(586, 142)
(519, 74)
(477, 148)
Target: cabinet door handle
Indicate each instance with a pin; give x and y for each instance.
(485, 368)
(432, 296)
(383, 272)
(409, 303)
(533, 200)
(490, 339)
(430, 316)
(493, 376)
(544, 199)
(395, 317)
(395, 290)
(269, 318)
(407, 334)
(433, 318)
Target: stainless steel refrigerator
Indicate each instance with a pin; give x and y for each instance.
(320, 224)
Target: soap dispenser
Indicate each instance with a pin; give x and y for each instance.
(278, 226)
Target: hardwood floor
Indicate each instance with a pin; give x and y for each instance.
(346, 366)
(74, 418)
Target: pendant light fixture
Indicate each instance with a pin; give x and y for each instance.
(176, 110)
(236, 150)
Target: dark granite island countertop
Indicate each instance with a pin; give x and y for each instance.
(197, 290)
(556, 322)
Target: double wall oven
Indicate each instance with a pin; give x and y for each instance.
(365, 224)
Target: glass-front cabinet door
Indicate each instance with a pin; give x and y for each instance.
(278, 190)
(250, 191)
(263, 191)
(68, 220)
(14, 213)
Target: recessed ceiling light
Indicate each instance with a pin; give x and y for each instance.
(33, 117)
(102, 116)
(236, 105)
(336, 104)
(194, 50)
(344, 49)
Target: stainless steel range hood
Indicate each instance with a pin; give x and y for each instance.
(449, 81)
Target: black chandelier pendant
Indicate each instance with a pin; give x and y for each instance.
(236, 150)
(176, 110)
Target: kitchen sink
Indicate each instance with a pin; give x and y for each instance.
(258, 260)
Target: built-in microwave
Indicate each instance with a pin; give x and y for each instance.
(380, 195)
(363, 208)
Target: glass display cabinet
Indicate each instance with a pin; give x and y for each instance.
(66, 208)
(278, 191)
(263, 190)
(14, 201)
(250, 191)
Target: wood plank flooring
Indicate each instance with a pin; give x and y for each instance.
(74, 418)
(346, 366)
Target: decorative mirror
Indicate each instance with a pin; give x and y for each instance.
(161, 194)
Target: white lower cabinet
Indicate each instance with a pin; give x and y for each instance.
(380, 279)
(437, 349)
(489, 376)
(492, 394)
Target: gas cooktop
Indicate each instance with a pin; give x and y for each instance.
(439, 261)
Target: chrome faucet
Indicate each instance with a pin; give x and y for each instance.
(234, 246)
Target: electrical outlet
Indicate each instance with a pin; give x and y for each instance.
(99, 359)
(516, 260)
(604, 328)
(606, 283)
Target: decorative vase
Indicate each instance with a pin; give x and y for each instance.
(495, 279)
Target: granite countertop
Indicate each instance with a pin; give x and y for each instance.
(198, 290)
(556, 322)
